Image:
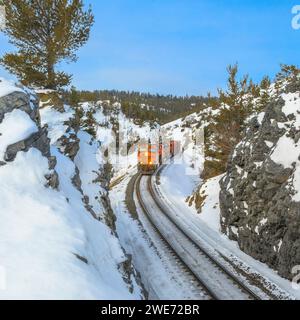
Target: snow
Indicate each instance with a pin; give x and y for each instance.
(7, 87)
(44, 91)
(292, 104)
(210, 209)
(55, 121)
(279, 244)
(256, 230)
(285, 152)
(51, 245)
(88, 162)
(269, 144)
(55, 230)
(235, 230)
(260, 117)
(53, 233)
(205, 226)
(208, 273)
(104, 136)
(161, 275)
(128, 132)
(263, 221)
(178, 186)
(16, 126)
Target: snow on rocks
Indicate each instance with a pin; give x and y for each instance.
(269, 155)
(16, 126)
(52, 247)
(205, 225)
(19, 120)
(55, 121)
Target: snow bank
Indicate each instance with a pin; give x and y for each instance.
(210, 210)
(51, 248)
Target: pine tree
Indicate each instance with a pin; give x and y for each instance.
(265, 83)
(242, 99)
(73, 98)
(264, 94)
(288, 79)
(45, 33)
(236, 103)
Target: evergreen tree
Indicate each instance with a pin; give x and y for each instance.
(222, 135)
(73, 98)
(288, 79)
(265, 83)
(45, 32)
(264, 94)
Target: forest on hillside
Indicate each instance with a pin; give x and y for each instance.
(142, 106)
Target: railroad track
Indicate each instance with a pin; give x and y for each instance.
(184, 265)
(218, 282)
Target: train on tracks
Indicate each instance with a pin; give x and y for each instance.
(152, 155)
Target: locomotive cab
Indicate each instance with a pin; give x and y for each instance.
(151, 156)
(148, 158)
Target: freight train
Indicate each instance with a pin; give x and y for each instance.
(151, 156)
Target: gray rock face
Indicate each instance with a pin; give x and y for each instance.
(77, 181)
(257, 208)
(52, 180)
(18, 100)
(69, 145)
(38, 140)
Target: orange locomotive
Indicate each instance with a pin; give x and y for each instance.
(148, 160)
(151, 156)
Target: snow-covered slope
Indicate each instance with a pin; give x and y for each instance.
(52, 247)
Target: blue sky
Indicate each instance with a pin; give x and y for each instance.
(182, 46)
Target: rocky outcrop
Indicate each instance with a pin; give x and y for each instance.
(104, 178)
(37, 140)
(19, 100)
(98, 255)
(69, 145)
(28, 103)
(259, 204)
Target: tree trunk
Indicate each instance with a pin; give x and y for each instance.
(51, 76)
